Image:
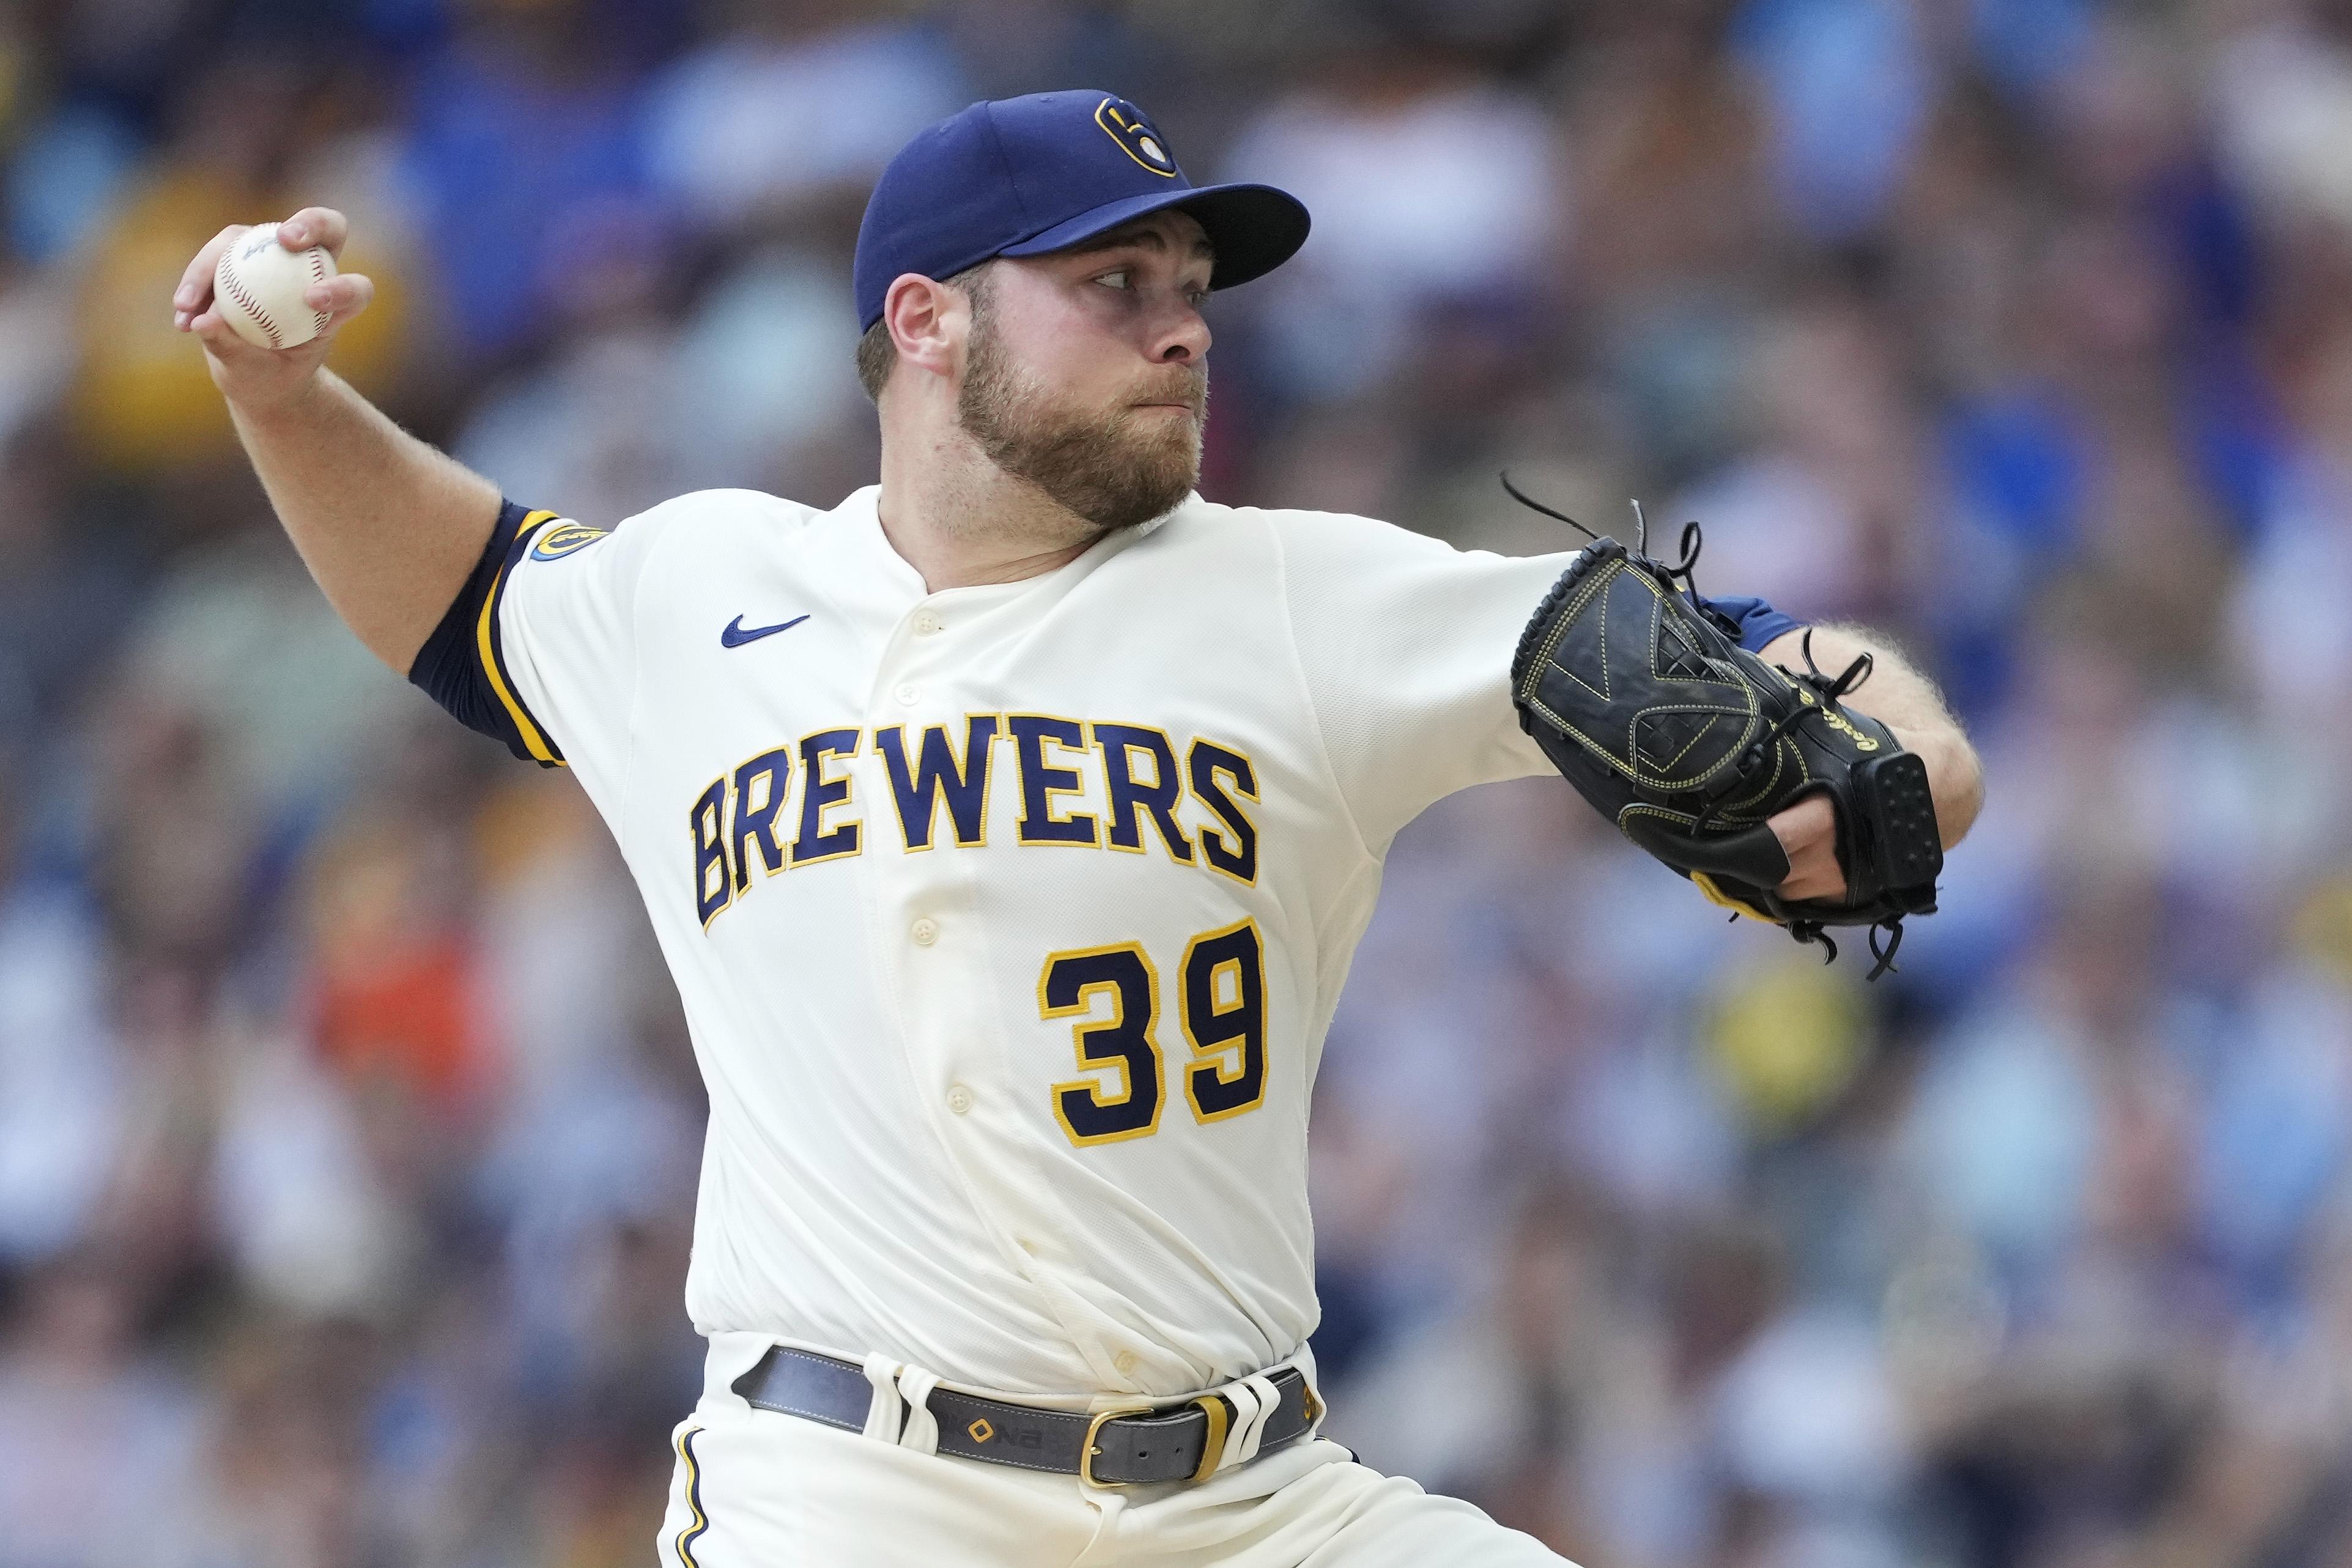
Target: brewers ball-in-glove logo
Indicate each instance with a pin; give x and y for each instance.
(1137, 136)
(563, 538)
(1641, 695)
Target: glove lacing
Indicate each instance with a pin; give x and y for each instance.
(1829, 689)
(1852, 676)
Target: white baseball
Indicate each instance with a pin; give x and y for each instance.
(258, 287)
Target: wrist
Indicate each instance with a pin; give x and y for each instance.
(276, 403)
(1954, 776)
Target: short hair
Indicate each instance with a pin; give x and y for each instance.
(877, 356)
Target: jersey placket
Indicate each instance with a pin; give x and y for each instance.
(931, 931)
(940, 908)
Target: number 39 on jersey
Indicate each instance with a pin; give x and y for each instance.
(1114, 994)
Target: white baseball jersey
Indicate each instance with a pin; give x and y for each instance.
(1008, 920)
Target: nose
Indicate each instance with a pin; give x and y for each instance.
(1184, 338)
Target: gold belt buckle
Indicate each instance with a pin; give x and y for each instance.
(1088, 1450)
(1213, 1448)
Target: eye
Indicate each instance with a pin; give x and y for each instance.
(1115, 278)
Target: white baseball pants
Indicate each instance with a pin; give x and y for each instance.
(757, 1488)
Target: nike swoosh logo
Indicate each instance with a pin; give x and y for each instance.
(736, 636)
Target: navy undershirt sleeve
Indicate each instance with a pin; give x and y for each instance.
(1759, 623)
(451, 667)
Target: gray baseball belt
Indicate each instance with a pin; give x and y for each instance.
(1161, 1441)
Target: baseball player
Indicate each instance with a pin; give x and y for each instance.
(1007, 828)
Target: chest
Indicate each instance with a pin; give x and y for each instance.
(1034, 733)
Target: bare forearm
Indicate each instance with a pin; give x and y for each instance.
(1899, 697)
(389, 527)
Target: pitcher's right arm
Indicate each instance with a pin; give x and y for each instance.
(390, 527)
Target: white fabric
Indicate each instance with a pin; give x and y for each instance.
(769, 1488)
(922, 1429)
(887, 1162)
(1111, 1508)
(882, 1412)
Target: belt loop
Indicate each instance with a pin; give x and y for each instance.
(1212, 1442)
(1246, 1415)
(882, 1412)
(922, 1429)
(1269, 1400)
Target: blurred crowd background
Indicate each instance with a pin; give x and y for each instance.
(348, 1125)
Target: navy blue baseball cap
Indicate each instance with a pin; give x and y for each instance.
(1021, 176)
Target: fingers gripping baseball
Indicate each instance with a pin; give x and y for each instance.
(243, 371)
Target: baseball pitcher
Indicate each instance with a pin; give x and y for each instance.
(1008, 829)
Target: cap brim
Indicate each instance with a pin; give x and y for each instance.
(1253, 228)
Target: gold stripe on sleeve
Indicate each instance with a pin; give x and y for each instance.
(531, 738)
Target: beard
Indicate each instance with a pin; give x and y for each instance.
(1116, 467)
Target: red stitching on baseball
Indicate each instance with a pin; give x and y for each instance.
(318, 275)
(243, 296)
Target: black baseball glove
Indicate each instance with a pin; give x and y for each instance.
(1641, 695)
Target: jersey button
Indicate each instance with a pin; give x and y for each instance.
(925, 932)
(1124, 1361)
(959, 1099)
(926, 622)
(909, 694)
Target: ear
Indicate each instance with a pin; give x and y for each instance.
(927, 321)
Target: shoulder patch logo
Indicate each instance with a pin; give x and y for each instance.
(1136, 135)
(563, 538)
